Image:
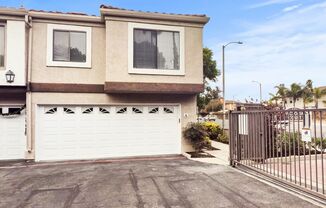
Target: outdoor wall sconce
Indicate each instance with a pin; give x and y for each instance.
(10, 76)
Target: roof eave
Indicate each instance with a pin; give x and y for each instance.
(66, 17)
(153, 16)
(13, 12)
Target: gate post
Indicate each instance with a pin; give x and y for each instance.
(230, 138)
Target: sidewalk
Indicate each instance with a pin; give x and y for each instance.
(221, 156)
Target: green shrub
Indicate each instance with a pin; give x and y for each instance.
(319, 144)
(197, 135)
(223, 138)
(289, 144)
(213, 130)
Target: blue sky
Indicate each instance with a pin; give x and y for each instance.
(285, 40)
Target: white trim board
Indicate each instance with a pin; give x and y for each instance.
(49, 59)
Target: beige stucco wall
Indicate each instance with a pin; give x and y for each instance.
(43, 74)
(117, 59)
(187, 102)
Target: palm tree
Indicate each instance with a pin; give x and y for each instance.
(282, 93)
(295, 92)
(318, 93)
(274, 98)
(307, 93)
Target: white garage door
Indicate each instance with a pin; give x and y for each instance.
(77, 132)
(12, 134)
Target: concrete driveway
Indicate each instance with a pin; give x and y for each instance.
(154, 183)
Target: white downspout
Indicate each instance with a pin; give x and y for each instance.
(29, 153)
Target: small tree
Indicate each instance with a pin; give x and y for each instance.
(318, 93)
(214, 106)
(210, 73)
(307, 93)
(282, 93)
(274, 98)
(294, 92)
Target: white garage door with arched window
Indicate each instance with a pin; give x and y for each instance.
(90, 132)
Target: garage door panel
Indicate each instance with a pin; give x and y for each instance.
(12, 137)
(107, 131)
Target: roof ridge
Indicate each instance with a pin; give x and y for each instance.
(60, 12)
(103, 6)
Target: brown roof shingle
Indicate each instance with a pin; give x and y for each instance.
(117, 8)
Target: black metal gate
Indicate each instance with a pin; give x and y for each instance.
(288, 145)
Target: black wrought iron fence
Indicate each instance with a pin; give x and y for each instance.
(287, 144)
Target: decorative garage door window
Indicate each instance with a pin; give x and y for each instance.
(104, 110)
(51, 110)
(137, 110)
(153, 110)
(168, 109)
(98, 110)
(87, 110)
(68, 111)
(121, 110)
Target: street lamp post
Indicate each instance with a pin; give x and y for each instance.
(223, 73)
(260, 91)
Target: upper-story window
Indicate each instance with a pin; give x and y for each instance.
(2, 46)
(69, 46)
(156, 49)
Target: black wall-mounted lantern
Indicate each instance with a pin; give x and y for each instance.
(10, 76)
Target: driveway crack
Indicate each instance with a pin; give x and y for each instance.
(134, 183)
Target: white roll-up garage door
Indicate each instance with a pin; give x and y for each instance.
(12, 133)
(90, 132)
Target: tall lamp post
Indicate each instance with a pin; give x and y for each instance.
(223, 72)
(260, 90)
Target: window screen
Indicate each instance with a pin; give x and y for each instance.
(2, 45)
(155, 49)
(69, 46)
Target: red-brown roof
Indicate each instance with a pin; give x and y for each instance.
(58, 12)
(117, 8)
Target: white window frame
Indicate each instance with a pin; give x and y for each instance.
(5, 46)
(132, 70)
(51, 62)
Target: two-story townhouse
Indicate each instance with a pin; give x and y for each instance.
(117, 85)
(120, 84)
(14, 28)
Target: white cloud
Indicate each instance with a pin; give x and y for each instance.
(291, 8)
(269, 3)
(289, 48)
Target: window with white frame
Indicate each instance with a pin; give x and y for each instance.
(156, 49)
(2, 46)
(69, 46)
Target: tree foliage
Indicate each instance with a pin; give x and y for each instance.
(318, 93)
(281, 93)
(307, 92)
(294, 92)
(209, 65)
(210, 73)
